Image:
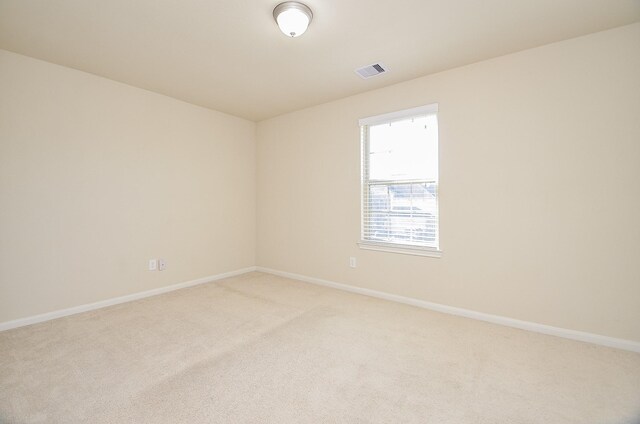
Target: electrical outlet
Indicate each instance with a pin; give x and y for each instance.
(153, 264)
(162, 264)
(352, 262)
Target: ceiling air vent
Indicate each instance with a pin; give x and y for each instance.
(371, 70)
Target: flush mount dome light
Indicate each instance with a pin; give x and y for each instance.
(292, 17)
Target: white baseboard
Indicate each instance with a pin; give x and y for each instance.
(495, 319)
(117, 300)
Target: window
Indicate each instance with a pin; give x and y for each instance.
(400, 182)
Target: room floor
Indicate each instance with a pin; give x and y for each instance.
(264, 349)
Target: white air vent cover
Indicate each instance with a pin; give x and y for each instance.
(371, 70)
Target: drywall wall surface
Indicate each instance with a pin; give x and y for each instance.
(539, 193)
(97, 177)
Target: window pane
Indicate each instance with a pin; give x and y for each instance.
(404, 150)
(402, 213)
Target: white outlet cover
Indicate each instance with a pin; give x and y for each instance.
(153, 264)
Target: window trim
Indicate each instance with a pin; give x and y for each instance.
(381, 246)
(405, 249)
(399, 115)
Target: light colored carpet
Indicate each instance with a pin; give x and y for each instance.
(264, 349)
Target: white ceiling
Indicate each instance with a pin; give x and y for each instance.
(229, 55)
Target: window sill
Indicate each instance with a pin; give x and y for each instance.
(401, 248)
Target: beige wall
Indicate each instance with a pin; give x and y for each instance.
(540, 197)
(97, 177)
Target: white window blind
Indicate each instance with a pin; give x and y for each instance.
(400, 179)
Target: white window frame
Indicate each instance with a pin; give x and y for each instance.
(364, 182)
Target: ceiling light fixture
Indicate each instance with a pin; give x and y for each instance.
(292, 17)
